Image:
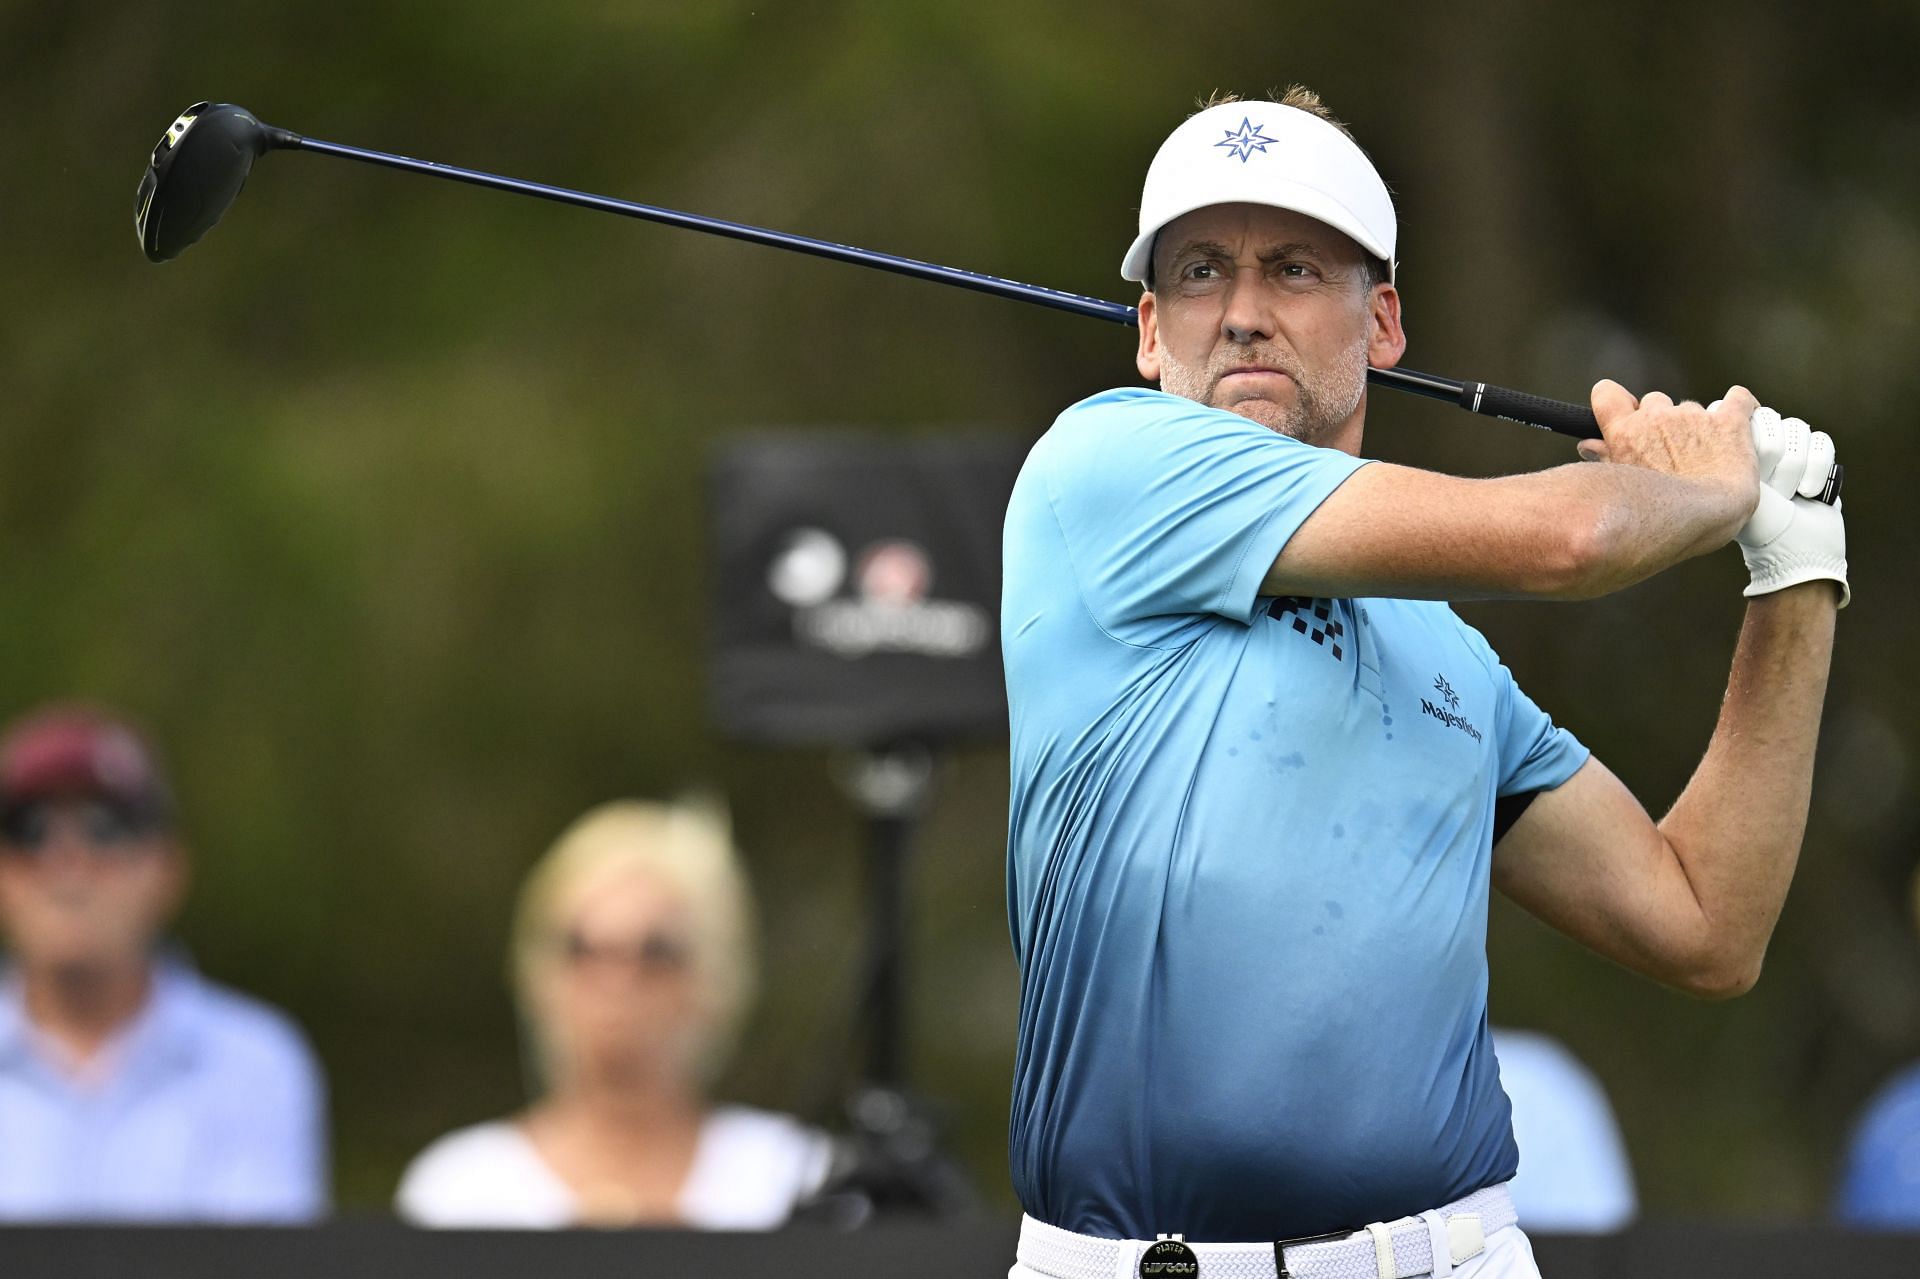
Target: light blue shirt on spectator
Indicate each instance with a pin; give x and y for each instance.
(208, 1106)
(1249, 848)
(1574, 1175)
(1881, 1181)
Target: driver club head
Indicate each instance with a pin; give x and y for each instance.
(196, 171)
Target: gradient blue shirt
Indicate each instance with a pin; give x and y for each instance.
(1249, 848)
(207, 1107)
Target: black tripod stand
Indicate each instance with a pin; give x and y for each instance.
(893, 1162)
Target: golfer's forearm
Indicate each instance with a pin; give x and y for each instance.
(1737, 827)
(1642, 522)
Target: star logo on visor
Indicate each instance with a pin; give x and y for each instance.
(1245, 140)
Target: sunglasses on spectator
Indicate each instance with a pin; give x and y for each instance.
(655, 953)
(28, 830)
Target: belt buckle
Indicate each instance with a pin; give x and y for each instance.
(1280, 1247)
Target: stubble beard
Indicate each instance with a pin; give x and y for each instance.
(1325, 399)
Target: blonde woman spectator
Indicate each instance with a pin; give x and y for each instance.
(633, 968)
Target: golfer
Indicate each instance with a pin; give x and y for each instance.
(1262, 776)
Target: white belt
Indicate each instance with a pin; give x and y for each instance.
(1431, 1243)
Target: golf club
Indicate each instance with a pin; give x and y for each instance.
(199, 166)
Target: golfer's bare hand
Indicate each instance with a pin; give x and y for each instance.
(1711, 447)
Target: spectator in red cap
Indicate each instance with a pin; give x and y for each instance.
(131, 1088)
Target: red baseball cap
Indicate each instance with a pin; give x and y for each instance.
(77, 750)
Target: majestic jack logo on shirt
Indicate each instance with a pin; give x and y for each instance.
(1311, 618)
(1449, 716)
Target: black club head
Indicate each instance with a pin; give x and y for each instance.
(196, 171)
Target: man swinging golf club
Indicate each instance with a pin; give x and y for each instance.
(1262, 776)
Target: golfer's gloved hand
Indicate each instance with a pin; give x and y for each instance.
(1794, 458)
(1792, 539)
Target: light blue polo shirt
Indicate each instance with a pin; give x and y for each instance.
(1880, 1183)
(1249, 848)
(207, 1107)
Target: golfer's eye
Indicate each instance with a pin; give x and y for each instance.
(1201, 271)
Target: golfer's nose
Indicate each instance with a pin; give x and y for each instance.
(1246, 318)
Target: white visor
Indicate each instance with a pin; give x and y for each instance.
(1263, 153)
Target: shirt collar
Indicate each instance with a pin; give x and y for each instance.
(164, 1033)
(161, 1035)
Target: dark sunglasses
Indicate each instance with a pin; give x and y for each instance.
(28, 829)
(654, 953)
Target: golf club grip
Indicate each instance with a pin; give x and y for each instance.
(1572, 419)
(1576, 420)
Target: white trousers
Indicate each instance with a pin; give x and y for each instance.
(1508, 1255)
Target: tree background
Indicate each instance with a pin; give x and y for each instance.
(383, 507)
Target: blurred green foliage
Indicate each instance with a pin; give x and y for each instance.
(383, 506)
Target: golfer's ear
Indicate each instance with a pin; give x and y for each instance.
(1147, 359)
(1386, 337)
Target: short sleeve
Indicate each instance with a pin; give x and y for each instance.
(752, 1168)
(278, 1168)
(1535, 753)
(1171, 507)
(266, 1113)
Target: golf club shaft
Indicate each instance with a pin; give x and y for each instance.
(1476, 397)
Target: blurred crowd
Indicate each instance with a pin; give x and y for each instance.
(135, 1088)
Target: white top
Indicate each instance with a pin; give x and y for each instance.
(750, 1169)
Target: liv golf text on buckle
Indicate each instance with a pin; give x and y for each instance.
(1169, 1259)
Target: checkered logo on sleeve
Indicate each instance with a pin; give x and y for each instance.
(1311, 618)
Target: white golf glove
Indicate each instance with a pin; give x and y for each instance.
(1793, 539)
(1794, 458)
(1790, 538)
